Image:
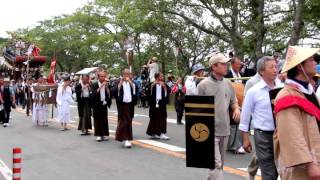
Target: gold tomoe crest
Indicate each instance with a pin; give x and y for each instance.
(199, 132)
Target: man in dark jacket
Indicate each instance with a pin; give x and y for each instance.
(8, 97)
(83, 91)
(235, 141)
(126, 99)
(101, 99)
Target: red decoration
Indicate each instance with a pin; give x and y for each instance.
(302, 103)
(52, 70)
(41, 59)
(36, 51)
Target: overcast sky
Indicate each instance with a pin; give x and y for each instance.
(16, 14)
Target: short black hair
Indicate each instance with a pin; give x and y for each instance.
(157, 75)
(292, 73)
(317, 58)
(233, 59)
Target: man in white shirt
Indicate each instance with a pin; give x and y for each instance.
(153, 68)
(192, 81)
(257, 104)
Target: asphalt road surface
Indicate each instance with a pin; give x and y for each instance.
(50, 154)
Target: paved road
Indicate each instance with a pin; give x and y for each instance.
(50, 154)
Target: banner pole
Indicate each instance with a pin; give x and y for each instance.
(52, 111)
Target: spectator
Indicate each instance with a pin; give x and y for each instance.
(179, 90)
(153, 68)
(192, 81)
(219, 87)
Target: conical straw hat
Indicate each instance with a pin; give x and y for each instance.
(296, 55)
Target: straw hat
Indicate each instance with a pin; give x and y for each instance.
(218, 58)
(154, 59)
(296, 55)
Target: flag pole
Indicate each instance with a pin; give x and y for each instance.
(54, 56)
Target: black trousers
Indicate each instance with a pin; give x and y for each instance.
(28, 103)
(5, 115)
(2, 116)
(264, 149)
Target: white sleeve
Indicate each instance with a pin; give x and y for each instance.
(191, 89)
(246, 112)
(70, 98)
(59, 95)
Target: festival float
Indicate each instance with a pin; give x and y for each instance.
(22, 59)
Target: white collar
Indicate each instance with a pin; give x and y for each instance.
(262, 84)
(234, 73)
(302, 89)
(192, 78)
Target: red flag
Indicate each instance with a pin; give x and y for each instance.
(52, 70)
(36, 51)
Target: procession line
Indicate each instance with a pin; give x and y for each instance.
(5, 171)
(169, 120)
(114, 118)
(111, 118)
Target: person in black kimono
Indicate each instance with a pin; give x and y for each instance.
(126, 100)
(28, 96)
(83, 91)
(8, 101)
(179, 91)
(157, 127)
(101, 101)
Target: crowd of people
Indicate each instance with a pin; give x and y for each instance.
(286, 138)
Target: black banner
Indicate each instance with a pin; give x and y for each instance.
(273, 94)
(199, 115)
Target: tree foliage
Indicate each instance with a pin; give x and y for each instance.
(96, 32)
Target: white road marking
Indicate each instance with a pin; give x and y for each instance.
(246, 170)
(169, 120)
(5, 171)
(163, 145)
(112, 131)
(258, 173)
